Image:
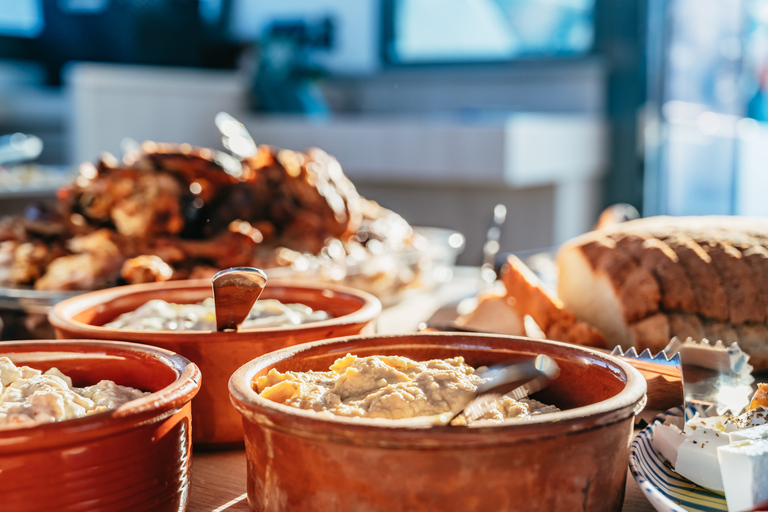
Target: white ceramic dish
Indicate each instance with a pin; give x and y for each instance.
(665, 489)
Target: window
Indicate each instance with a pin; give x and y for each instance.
(455, 31)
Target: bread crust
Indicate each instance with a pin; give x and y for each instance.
(530, 298)
(698, 277)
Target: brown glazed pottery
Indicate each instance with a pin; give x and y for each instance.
(134, 458)
(218, 354)
(573, 460)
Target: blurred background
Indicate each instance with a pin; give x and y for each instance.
(437, 109)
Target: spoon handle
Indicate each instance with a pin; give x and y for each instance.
(235, 290)
(517, 380)
(503, 378)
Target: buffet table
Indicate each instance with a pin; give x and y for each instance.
(219, 478)
(218, 485)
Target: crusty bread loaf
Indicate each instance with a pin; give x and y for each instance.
(530, 298)
(646, 280)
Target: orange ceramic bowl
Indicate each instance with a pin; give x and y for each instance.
(218, 354)
(133, 458)
(572, 460)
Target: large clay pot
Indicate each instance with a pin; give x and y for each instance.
(573, 460)
(218, 354)
(134, 458)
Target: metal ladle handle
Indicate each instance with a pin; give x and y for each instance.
(235, 291)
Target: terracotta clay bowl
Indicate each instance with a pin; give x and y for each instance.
(215, 423)
(572, 460)
(134, 458)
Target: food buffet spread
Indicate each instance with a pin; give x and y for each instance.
(327, 415)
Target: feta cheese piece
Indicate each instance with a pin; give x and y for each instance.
(752, 418)
(721, 423)
(667, 440)
(697, 457)
(744, 470)
(749, 434)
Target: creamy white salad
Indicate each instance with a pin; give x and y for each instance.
(159, 315)
(29, 396)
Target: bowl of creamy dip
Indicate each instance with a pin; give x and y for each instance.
(178, 316)
(330, 425)
(100, 425)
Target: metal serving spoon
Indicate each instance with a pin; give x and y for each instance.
(517, 380)
(491, 246)
(235, 291)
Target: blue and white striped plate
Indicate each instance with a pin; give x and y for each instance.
(666, 490)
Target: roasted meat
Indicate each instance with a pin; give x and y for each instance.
(146, 269)
(176, 211)
(308, 198)
(94, 262)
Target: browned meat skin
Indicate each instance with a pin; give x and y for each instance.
(153, 210)
(232, 248)
(29, 242)
(84, 271)
(309, 198)
(228, 249)
(94, 263)
(29, 262)
(40, 221)
(195, 210)
(166, 249)
(11, 228)
(137, 203)
(7, 255)
(146, 269)
(202, 272)
(211, 168)
(162, 189)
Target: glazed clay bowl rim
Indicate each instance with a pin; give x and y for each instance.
(62, 314)
(627, 403)
(151, 408)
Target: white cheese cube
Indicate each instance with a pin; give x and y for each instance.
(666, 440)
(697, 457)
(749, 434)
(744, 470)
(721, 423)
(752, 418)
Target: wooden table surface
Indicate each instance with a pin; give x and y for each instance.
(218, 484)
(219, 478)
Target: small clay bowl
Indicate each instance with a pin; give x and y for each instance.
(571, 460)
(134, 458)
(216, 425)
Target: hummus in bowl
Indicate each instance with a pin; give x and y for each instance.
(350, 463)
(394, 388)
